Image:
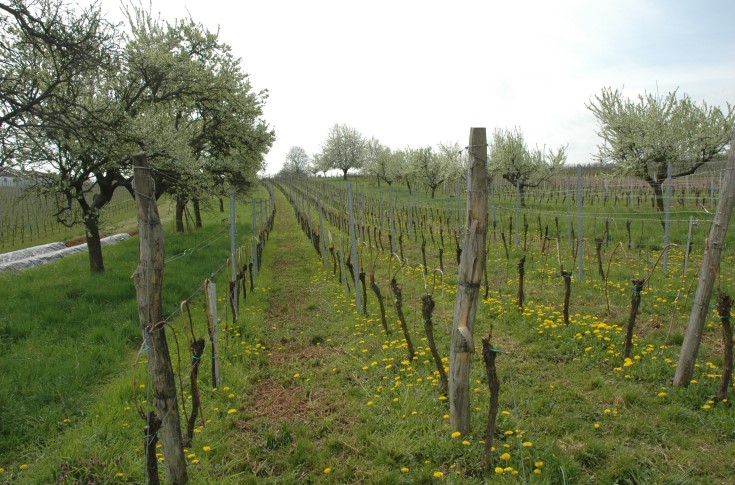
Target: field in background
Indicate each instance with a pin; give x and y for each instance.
(28, 219)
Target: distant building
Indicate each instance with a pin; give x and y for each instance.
(8, 178)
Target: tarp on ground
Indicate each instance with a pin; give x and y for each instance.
(37, 258)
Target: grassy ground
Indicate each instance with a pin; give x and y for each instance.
(315, 392)
(67, 335)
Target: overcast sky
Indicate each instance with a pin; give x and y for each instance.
(417, 73)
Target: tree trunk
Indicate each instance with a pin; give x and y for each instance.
(522, 193)
(180, 206)
(658, 191)
(94, 245)
(408, 184)
(344, 173)
(197, 213)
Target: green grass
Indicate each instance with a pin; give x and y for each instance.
(67, 334)
(316, 386)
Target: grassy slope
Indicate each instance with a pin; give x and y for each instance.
(320, 393)
(66, 333)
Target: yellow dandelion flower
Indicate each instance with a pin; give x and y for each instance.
(505, 456)
(597, 425)
(231, 411)
(119, 474)
(456, 434)
(537, 472)
(194, 462)
(327, 471)
(466, 443)
(405, 470)
(527, 444)
(498, 470)
(438, 474)
(23, 466)
(538, 464)
(206, 449)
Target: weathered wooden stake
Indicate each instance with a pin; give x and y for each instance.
(210, 291)
(468, 284)
(355, 269)
(234, 288)
(710, 268)
(148, 279)
(689, 246)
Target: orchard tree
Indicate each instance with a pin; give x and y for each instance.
(184, 72)
(453, 158)
(511, 158)
(319, 164)
(174, 92)
(379, 162)
(297, 162)
(344, 149)
(403, 166)
(641, 136)
(429, 168)
(47, 47)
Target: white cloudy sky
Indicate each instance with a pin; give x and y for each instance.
(416, 73)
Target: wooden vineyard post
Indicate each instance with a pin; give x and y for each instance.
(468, 284)
(255, 242)
(353, 241)
(210, 292)
(233, 259)
(667, 219)
(688, 246)
(148, 278)
(710, 268)
(580, 241)
(322, 239)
